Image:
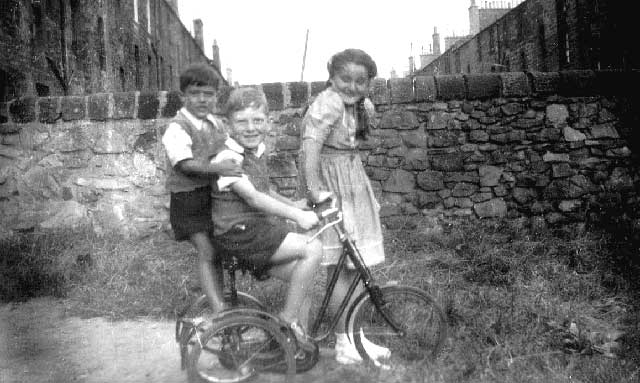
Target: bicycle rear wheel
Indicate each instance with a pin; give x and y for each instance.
(202, 309)
(239, 347)
(422, 323)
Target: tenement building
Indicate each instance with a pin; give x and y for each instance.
(66, 47)
(541, 35)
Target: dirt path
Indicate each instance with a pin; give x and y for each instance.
(39, 344)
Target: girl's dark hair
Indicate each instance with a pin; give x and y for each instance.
(199, 74)
(356, 56)
(359, 57)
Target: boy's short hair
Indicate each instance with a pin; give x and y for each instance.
(245, 97)
(199, 74)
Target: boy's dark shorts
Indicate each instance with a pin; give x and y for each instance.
(190, 213)
(253, 243)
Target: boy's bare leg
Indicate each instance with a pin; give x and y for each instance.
(209, 276)
(297, 261)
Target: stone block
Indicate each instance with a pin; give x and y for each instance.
(577, 83)
(512, 108)
(441, 139)
(451, 87)
(493, 208)
(401, 90)
(124, 105)
(447, 162)
(275, 95)
(379, 91)
(299, 94)
(98, 106)
(425, 88)
(545, 82)
(483, 86)
(399, 119)
(399, 181)
(48, 109)
(464, 189)
(515, 84)
(416, 159)
(478, 136)
(173, 104)
(427, 200)
(604, 131)
(148, 104)
(573, 135)
(414, 138)
(430, 180)
(489, 175)
(23, 110)
(72, 108)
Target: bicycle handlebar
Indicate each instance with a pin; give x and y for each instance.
(326, 209)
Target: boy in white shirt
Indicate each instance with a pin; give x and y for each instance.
(192, 138)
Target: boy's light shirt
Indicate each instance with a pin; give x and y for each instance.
(234, 152)
(177, 142)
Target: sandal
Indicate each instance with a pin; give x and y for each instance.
(304, 341)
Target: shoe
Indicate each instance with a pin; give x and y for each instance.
(346, 352)
(304, 341)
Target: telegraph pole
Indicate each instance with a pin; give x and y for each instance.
(304, 56)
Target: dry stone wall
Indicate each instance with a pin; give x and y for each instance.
(541, 145)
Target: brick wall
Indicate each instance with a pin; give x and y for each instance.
(544, 145)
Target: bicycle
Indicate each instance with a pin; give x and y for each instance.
(402, 318)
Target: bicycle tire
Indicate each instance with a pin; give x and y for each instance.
(413, 310)
(201, 308)
(239, 347)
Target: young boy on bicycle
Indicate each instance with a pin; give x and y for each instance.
(246, 211)
(192, 138)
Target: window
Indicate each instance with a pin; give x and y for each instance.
(135, 10)
(149, 68)
(42, 90)
(136, 56)
(8, 87)
(542, 46)
(36, 27)
(102, 59)
(567, 52)
(123, 83)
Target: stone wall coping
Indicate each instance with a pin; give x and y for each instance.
(475, 86)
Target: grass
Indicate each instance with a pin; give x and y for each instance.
(523, 306)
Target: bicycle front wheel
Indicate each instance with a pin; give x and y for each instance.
(422, 327)
(239, 347)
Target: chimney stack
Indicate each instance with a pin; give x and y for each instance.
(215, 55)
(197, 33)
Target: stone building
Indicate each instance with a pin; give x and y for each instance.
(56, 47)
(480, 17)
(546, 35)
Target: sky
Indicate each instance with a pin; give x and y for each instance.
(263, 41)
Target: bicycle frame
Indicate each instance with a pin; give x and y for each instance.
(351, 252)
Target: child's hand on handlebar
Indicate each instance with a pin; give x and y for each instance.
(307, 219)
